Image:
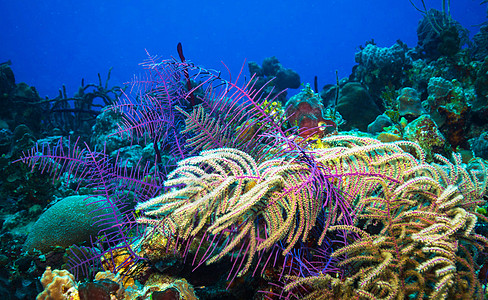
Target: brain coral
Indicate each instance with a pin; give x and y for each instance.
(68, 222)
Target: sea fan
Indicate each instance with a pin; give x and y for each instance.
(149, 109)
(108, 183)
(230, 114)
(157, 110)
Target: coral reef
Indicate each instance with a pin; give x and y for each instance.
(202, 187)
(249, 191)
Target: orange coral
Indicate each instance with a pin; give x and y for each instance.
(58, 285)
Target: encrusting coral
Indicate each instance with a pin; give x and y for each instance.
(58, 285)
(61, 285)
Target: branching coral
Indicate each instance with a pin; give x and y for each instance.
(224, 191)
(424, 245)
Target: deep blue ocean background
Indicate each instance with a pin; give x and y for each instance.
(51, 43)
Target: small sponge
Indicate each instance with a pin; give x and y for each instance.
(58, 285)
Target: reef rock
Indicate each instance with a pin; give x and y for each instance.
(379, 67)
(409, 104)
(271, 68)
(480, 145)
(104, 132)
(424, 132)
(480, 39)
(356, 107)
(448, 107)
(438, 34)
(379, 124)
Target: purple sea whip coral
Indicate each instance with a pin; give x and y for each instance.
(109, 184)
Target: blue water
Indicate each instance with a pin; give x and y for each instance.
(54, 42)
